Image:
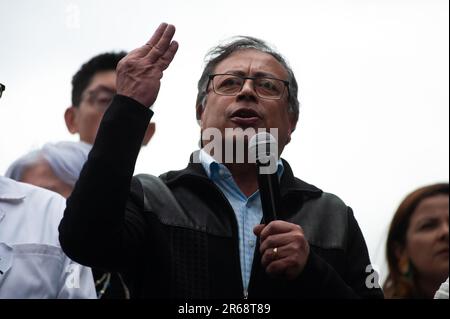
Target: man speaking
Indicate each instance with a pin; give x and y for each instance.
(199, 232)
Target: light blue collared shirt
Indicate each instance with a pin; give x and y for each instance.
(248, 210)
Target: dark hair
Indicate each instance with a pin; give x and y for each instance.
(221, 52)
(102, 62)
(397, 285)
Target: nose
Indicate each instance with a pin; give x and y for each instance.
(444, 231)
(247, 91)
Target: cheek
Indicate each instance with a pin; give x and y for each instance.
(420, 249)
(212, 116)
(90, 120)
(282, 122)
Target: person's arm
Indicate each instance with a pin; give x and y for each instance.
(322, 281)
(95, 230)
(305, 273)
(102, 226)
(361, 275)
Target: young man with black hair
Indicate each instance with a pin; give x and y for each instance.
(93, 88)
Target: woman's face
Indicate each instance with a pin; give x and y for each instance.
(427, 238)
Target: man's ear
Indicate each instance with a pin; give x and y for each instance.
(70, 116)
(199, 111)
(149, 133)
(292, 125)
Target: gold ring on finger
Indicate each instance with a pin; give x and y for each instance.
(275, 251)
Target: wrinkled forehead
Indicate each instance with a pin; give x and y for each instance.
(252, 62)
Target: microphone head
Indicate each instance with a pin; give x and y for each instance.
(263, 148)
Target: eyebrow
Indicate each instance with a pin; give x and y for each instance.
(257, 74)
(101, 87)
(104, 87)
(428, 219)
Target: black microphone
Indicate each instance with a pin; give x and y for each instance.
(263, 148)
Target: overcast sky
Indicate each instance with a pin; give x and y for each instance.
(373, 79)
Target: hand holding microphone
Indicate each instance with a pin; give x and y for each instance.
(283, 246)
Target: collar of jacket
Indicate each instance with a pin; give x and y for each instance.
(289, 184)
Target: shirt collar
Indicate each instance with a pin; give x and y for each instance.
(10, 190)
(195, 174)
(215, 169)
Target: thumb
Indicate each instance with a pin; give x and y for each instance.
(258, 229)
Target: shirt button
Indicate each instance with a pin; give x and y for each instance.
(251, 243)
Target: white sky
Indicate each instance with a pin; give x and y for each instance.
(373, 77)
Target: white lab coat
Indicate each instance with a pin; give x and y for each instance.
(32, 263)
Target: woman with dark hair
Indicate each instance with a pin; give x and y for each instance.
(417, 244)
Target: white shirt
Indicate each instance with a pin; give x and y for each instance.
(32, 263)
(442, 293)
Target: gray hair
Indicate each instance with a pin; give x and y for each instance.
(221, 52)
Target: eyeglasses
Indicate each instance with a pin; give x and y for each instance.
(264, 86)
(100, 97)
(2, 88)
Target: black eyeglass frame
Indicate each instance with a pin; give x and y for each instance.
(2, 89)
(253, 78)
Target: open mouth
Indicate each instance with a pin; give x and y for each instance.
(245, 113)
(245, 117)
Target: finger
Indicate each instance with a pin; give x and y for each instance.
(157, 35)
(258, 228)
(277, 227)
(167, 58)
(162, 45)
(270, 261)
(287, 267)
(139, 52)
(270, 255)
(277, 240)
(277, 267)
(145, 49)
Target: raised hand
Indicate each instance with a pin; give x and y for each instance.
(139, 72)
